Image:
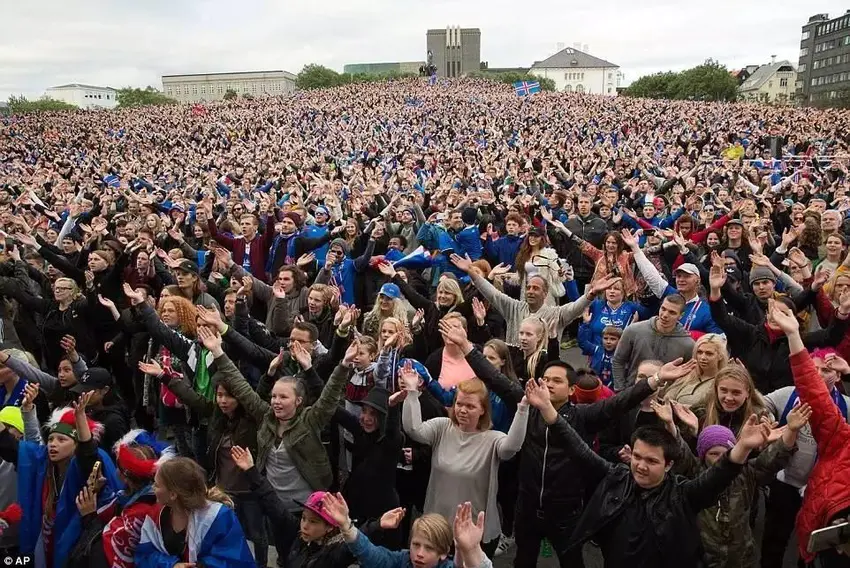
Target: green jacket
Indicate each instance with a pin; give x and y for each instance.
(725, 527)
(302, 434)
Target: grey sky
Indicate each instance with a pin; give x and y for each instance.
(121, 42)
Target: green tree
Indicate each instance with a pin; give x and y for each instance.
(22, 105)
(315, 76)
(710, 81)
(132, 97)
(229, 94)
(655, 86)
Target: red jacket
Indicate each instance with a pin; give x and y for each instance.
(828, 490)
(260, 246)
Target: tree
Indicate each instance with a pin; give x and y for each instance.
(710, 81)
(132, 97)
(315, 76)
(229, 94)
(21, 105)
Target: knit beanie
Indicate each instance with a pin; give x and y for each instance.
(713, 436)
(761, 273)
(294, 217)
(341, 243)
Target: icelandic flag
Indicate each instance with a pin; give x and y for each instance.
(214, 538)
(525, 88)
(419, 259)
(112, 180)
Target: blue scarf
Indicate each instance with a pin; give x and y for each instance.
(67, 526)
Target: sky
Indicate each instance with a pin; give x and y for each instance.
(120, 43)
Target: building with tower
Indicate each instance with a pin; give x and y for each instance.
(454, 51)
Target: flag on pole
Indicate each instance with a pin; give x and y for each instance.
(525, 88)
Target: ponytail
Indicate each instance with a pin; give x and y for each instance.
(214, 493)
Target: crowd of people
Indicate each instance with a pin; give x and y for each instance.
(338, 324)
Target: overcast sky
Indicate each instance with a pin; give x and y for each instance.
(124, 42)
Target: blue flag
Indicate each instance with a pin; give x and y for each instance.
(525, 88)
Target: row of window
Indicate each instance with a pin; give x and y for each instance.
(579, 88)
(831, 44)
(832, 26)
(829, 79)
(834, 60)
(221, 88)
(92, 96)
(574, 76)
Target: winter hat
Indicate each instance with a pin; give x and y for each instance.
(346, 248)
(11, 416)
(469, 215)
(63, 421)
(713, 436)
(377, 398)
(294, 217)
(316, 504)
(761, 273)
(139, 467)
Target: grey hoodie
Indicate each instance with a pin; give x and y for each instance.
(641, 342)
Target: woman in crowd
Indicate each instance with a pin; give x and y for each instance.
(731, 400)
(465, 449)
(711, 357)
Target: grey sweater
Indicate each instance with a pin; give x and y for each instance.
(641, 342)
(514, 311)
(796, 473)
(464, 465)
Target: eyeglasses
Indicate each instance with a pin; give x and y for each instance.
(62, 288)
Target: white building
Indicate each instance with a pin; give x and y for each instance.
(84, 96)
(575, 71)
(771, 83)
(203, 87)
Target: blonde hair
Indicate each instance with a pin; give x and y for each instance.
(75, 290)
(187, 480)
(478, 388)
(754, 404)
(404, 338)
(451, 286)
(375, 317)
(534, 358)
(436, 530)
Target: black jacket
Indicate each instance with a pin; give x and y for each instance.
(549, 476)
(591, 229)
(671, 507)
(115, 424)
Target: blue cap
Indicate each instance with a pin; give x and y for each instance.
(390, 291)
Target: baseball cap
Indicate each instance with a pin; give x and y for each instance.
(735, 222)
(93, 379)
(689, 268)
(390, 290)
(316, 504)
(11, 416)
(188, 266)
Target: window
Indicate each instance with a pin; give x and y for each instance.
(568, 89)
(579, 88)
(220, 89)
(609, 90)
(610, 76)
(203, 89)
(194, 89)
(815, 82)
(804, 51)
(783, 82)
(806, 35)
(770, 84)
(802, 68)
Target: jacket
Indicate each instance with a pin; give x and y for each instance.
(591, 229)
(640, 341)
(671, 507)
(549, 477)
(725, 526)
(371, 556)
(301, 435)
(503, 250)
(259, 247)
(765, 352)
(828, 489)
(623, 267)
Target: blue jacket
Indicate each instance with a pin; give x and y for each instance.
(602, 316)
(657, 222)
(318, 231)
(598, 359)
(504, 250)
(697, 315)
(371, 556)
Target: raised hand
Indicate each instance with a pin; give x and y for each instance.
(408, 378)
(467, 533)
(386, 269)
(462, 262)
(136, 296)
(86, 501)
(68, 343)
(499, 270)
(663, 410)
(105, 302)
(799, 417)
(686, 416)
(603, 284)
(275, 363)
(81, 403)
(392, 519)
(537, 395)
(716, 277)
(837, 364)
(302, 355)
(675, 370)
(629, 239)
(210, 339)
(625, 454)
(783, 317)
(151, 368)
(453, 333)
(242, 457)
(753, 434)
(351, 353)
(306, 259)
(211, 317)
(335, 507)
(30, 393)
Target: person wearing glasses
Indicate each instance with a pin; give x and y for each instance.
(536, 258)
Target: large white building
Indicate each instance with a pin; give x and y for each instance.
(575, 71)
(774, 82)
(212, 86)
(84, 96)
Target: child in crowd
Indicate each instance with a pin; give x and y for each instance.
(600, 357)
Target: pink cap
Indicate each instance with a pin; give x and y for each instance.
(316, 504)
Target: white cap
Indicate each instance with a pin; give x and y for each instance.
(689, 268)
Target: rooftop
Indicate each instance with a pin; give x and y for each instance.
(761, 75)
(229, 73)
(80, 86)
(572, 57)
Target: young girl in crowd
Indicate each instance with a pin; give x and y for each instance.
(731, 401)
(711, 357)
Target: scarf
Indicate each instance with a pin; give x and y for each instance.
(203, 384)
